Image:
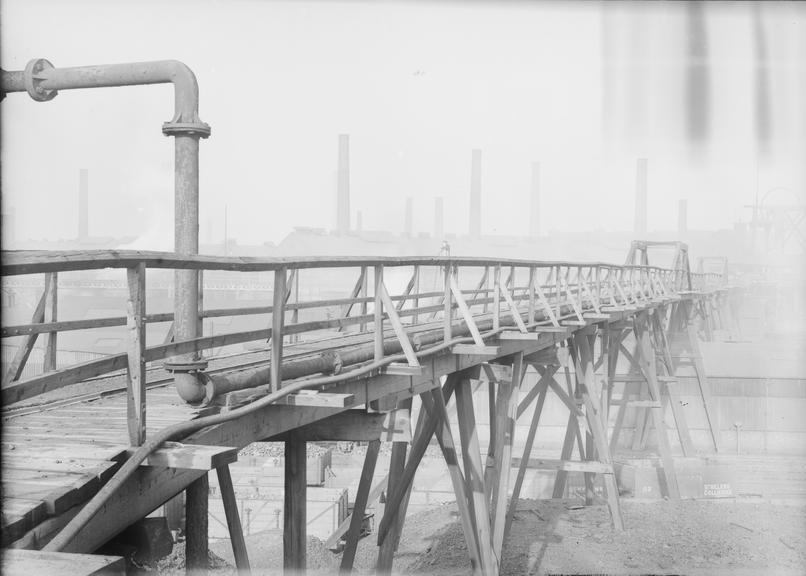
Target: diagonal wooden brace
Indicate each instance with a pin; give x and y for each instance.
(397, 325)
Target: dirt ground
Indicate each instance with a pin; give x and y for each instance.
(552, 537)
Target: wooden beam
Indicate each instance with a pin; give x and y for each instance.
(542, 386)
(361, 498)
(465, 311)
(646, 361)
(357, 425)
(31, 562)
(136, 369)
(474, 476)
(448, 447)
(51, 315)
(196, 516)
(504, 455)
(277, 323)
(191, 456)
(397, 493)
(397, 326)
(233, 520)
(598, 434)
(475, 350)
(295, 539)
(24, 351)
(513, 310)
(316, 398)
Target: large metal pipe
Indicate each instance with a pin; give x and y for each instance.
(42, 81)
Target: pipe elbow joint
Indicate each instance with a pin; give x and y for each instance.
(186, 121)
(191, 386)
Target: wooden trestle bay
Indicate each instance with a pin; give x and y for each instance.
(583, 328)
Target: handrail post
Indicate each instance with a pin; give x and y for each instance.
(277, 323)
(136, 373)
(532, 274)
(362, 293)
(378, 325)
(486, 288)
(416, 288)
(497, 297)
(200, 325)
(447, 305)
(292, 296)
(51, 349)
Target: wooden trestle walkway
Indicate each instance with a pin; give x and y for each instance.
(489, 320)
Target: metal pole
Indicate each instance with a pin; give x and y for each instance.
(42, 81)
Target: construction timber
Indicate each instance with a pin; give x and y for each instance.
(79, 471)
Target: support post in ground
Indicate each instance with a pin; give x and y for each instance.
(295, 537)
(196, 510)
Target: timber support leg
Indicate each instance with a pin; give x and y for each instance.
(295, 537)
(364, 485)
(233, 520)
(196, 544)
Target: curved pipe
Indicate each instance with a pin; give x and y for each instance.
(183, 429)
(42, 81)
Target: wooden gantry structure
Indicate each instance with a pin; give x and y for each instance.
(79, 470)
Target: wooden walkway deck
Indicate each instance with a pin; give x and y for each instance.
(57, 457)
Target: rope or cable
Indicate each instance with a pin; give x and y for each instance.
(183, 429)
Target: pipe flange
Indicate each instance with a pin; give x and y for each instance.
(200, 129)
(33, 80)
(185, 367)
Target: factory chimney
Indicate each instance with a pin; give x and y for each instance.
(475, 195)
(359, 221)
(83, 204)
(534, 202)
(343, 186)
(407, 231)
(439, 217)
(640, 225)
(682, 216)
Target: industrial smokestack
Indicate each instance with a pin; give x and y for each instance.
(639, 228)
(682, 216)
(407, 230)
(475, 195)
(83, 204)
(359, 221)
(534, 202)
(439, 218)
(343, 186)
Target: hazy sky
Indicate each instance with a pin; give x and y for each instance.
(417, 86)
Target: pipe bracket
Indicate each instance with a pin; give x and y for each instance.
(34, 79)
(200, 129)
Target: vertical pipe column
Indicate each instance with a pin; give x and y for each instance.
(186, 242)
